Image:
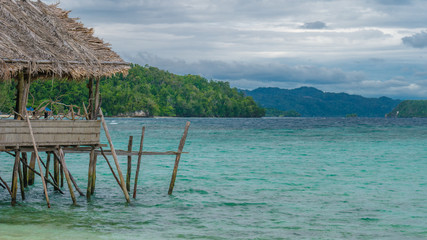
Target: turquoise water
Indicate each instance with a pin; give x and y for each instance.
(272, 178)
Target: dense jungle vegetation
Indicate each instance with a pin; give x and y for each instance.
(145, 88)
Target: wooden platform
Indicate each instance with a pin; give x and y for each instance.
(49, 133)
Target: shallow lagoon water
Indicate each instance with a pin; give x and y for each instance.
(270, 178)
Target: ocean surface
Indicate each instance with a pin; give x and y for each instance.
(270, 178)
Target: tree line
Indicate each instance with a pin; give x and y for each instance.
(148, 89)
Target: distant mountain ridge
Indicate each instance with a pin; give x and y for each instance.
(312, 102)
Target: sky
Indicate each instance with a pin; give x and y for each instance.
(371, 48)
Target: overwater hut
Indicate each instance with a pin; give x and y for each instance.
(39, 41)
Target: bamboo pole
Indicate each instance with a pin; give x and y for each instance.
(67, 175)
(129, 167)
(56, 170)
(141, 144)
(90, 173)
(15, 178)
(7, 187)
(61, 171)
(178, 157)
(111, 168)
(24, 169)
(71, 176)
(38, 160)
(116, 161)
(21, 181)
(47, 180)
(32, 165)
(94, 175)
(47, 165)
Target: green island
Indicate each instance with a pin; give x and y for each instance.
(145, 89)
(410, 109)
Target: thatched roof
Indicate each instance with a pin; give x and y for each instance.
(42, 39)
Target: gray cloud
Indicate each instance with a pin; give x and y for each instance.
(314, 25)
(418, 40)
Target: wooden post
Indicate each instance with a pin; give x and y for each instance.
(67, 175)
(116, 161)
(15, 178)
(178, 156)
(141, 144)
(32, 165)
(24, 169)
(96, 107)
(56, 170)
(47, 165)
(7, 187)
(38, 160)
(61, 171)
(91, 103)
(90, 173)
(129, 169)
(21, 180)
(94, 174)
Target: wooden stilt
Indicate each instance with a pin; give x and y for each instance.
(90, 173)
(31, 173)
(21, 180)
(61, 171)
(94, 174)
(67, 175)
(129, 168)
(24, 169)
(56, 170)
(38, 160)
(178, 157)
(141, 144)
(7, 187)
(15, 178)
(116, 161)
(111, 168)
(47, 165)
(54, 184)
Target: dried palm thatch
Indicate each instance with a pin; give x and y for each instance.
(43, 41)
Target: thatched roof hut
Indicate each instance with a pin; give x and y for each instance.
(43, 41)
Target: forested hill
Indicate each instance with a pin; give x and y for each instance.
(148, 89)
(410, 109)
(311, 102)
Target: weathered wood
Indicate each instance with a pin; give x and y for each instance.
(90, 173)
(111, 168)
(178, 157)
(96, 106)
(38, 161)
(116, 161)
(129, 167)
(126, 153)
(15, 178)
(56, 170)
(7, 187)
(47, 165)
(141, 144)
(32, 165)
(61, 171)
(50, 133)
(24, 168)
(67, 175)
(47, 180)
(94, 175)
(21, 181)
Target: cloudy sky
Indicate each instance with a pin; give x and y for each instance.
(367, 47)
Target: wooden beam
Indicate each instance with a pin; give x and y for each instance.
(38, 160)
(129, 166)
(67, 175)
(116, 161)
(141, 144)
(178, 157)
